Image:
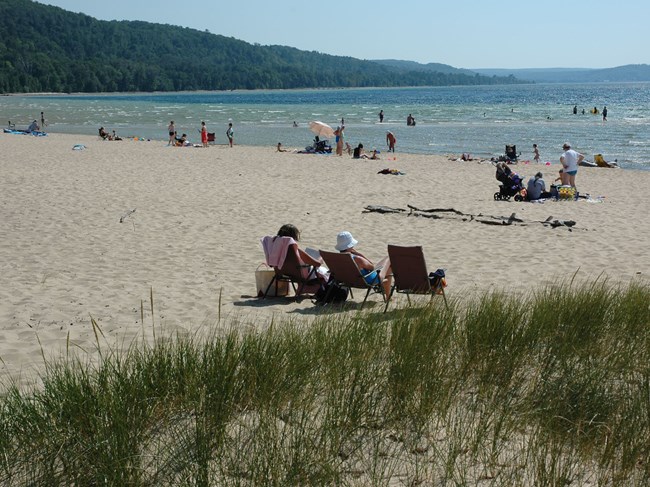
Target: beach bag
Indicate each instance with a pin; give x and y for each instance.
(263, 277)
(566, 193)
(332, 292)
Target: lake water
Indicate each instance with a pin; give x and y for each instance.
(480, 120)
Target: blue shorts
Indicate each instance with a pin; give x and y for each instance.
(371, 277)
(571, 173)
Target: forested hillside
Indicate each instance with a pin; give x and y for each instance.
(48, 49)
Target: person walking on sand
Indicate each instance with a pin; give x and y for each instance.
(570, 160)
(230, 134)
(204, 135)
(390, 141)
(171, 130)
(535, 153)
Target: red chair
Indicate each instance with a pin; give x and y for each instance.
(410, 274)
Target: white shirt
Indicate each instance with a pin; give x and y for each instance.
(570, 160)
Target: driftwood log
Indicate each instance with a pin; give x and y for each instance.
(453, 214)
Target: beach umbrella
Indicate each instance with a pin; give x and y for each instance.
(321, 129)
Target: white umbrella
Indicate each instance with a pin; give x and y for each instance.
(321, 129)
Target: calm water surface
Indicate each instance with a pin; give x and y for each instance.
(450, 120)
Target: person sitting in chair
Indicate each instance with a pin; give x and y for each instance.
(276, 249)
(372, 274)
(103, 134)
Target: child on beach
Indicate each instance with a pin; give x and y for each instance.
(230, 133)
(204, 134)
(535, 153)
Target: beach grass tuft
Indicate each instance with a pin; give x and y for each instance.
(549, 388)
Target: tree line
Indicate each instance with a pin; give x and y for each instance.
(48, 49)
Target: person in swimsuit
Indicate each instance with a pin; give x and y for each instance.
(390, 141)
(230, 134)
(535, 153)
(570, 160)
(172, 133)
(338, 133)
(372, 274)
(204, 135)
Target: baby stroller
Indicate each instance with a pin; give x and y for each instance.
(511, 184)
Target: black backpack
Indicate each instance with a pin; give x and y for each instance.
(332, 292)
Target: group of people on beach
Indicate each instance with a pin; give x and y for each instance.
(378, 273)
(206, 137)
(536, 187)
(105, 135)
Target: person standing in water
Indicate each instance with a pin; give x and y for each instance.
(390, 141)
(604, 114)
(535, 153)
(381, 116)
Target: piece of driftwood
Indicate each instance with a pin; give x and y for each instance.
(383, 209)
(437, 210)
(554, 223)
(453, 214)
(126, 215)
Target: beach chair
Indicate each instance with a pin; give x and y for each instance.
(601, 162)
(211, 137)
(511, 152)
(293, 271)
(410, 275)
(347, 275)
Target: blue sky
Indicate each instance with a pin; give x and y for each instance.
(462, 33)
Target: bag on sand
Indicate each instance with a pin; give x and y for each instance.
(263, 278)
(332, 292)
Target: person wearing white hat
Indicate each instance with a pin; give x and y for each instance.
(372, 274)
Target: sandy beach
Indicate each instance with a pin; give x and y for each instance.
(200, 213)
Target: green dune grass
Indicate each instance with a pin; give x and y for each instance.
(547, 389)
